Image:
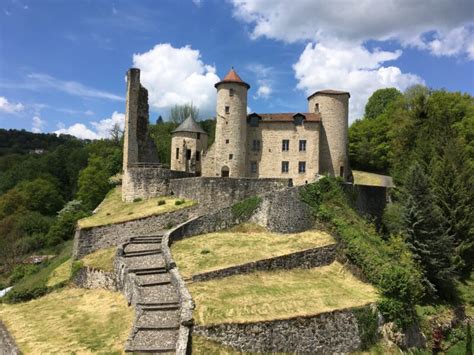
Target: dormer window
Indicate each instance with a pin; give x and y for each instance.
(231, 92)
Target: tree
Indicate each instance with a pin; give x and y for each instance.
(179, 113)
(116, 134)
(41, 195)
(425, 233)
(379, 101)
(93, 182)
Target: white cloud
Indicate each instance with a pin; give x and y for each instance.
(177, 76)
(9, 107)
(264, 76)
(263, 91)
(38, 124)
(198, 3)
(349, 68)
(101, 129)
(38, 81)
(356, 21)
(451, 43)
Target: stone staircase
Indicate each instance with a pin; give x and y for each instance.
(155, 297)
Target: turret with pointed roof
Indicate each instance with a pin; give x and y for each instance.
(189, 125)
(232, 77)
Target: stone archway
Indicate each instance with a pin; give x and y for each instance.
(225, 171)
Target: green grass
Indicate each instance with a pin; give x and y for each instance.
(264, 296)
(466, 294)
(113, 210)
(203, 346)
(70, 321)
(102, 259)
(60, 274)
(242, 244)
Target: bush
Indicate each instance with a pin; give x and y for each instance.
(137, 199)
(161, 202)
(20, 271)
(25, 294)
(389, 265)
(179, 202)
(367, 322)
(63, 227)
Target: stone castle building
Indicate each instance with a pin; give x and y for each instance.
(300, 145)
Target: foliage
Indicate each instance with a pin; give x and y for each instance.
(244, 209)
(387, 264)
(380, 101)
(425, 232)
(468, 339)
(179, 113)
(161, 202)
(392, 219)
(20, 271)
(367, 322)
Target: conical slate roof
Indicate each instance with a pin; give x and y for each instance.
(189, 125)
(233, 77)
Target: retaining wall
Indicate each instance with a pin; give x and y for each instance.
(88, 240)
(7, 343)
(325, 333)
(90, 278)
(302, 259)
(224, 191)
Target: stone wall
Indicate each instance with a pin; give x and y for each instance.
(284, 212)
(7, 343)
(325, 333)
(224, 191)
(88, 240)
(182, 141)
(147, 182)
(90, 278)
(368, 200)
(302, 259)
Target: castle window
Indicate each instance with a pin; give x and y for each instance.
(253, 167)
(256, 145)
(341, 171)
(302, 167)
(231, 156)
(226, 141)
(199, 136)
(177, 153)
(188, 154)
(227, 109)
(285, 166)
(302, 145)
(198, 155)
(316, 108)
(231, 92)
(285, 145)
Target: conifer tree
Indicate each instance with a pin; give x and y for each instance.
(424, 228)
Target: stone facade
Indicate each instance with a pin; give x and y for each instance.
(187, 149)
(325, 333)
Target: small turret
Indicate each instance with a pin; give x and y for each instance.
(231, 126)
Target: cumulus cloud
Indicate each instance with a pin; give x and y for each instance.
(9, 107)
(38, 124)
(350, 68)
(177, 76)
(101, 129)
(264, 79)
(357, 21)
(263, 91)
(451, 43)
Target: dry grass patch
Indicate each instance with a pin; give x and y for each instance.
(102, 259)
(70, 321)
(61, 274)
(240, 245)
(264, 296)
(113, 210)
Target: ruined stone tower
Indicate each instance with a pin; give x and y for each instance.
(333, 106)
(231, 126)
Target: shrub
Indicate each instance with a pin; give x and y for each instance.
(179, 202)
(137, 199)
(25, 294)
(389, 265)
(20, 271)
(244, 209)
(161, 202)
(367, 322)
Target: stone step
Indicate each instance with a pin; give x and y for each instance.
(133, 254)
(159, 293)
(149, 270)
(141, 247)
(154, 340)
(159, 319)
(163, 306)
(146, 262)
(145, 280)
(145, 240)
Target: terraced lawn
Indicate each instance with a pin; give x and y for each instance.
(113, 210)
(240, 245)
(278, 295)
(70, 321)
(102, 259)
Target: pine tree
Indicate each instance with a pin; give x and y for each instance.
(426, 236)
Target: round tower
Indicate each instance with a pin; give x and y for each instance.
(231, 126)
(333, 106)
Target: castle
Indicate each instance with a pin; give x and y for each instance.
(300, 146)
(297, 147)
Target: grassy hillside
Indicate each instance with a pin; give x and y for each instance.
(239, 245)
(114, 210)
(70, 321)
(277, 295)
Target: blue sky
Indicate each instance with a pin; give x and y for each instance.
(63, 63)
